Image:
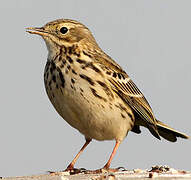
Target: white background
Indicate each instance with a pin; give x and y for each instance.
(150, 39)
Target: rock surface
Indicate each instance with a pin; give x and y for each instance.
(156, 172)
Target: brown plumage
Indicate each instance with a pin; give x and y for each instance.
(91, 91)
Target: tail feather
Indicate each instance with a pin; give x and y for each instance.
(169, 133)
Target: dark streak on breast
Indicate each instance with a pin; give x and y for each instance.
(53, 65)
(94, 68)
(119, 75)
(114, 74)
(63, 61)
(106, 89)
(131, 116)
(69, 59)
(123, 116)
(97, 95)
(70, 50)
(76, 53)
(122, 107)
(61, 77)
(61, 66)
(47, 66)
(86, 54)
(108, 72)
(54, 78)
(49, 83)
(68, 67)
(47, 74)
(73, 71)
(72, 80)
(81, 61)
(88, 79)
(63, 48)
(123, 76)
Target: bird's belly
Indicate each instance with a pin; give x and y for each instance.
(93, 115)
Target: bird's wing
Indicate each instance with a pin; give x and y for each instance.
(128, 91)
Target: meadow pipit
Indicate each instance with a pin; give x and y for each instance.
(91, 91)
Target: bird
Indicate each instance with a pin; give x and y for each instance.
(91, 92)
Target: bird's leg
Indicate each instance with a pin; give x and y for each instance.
(107, 165)
(71, 165)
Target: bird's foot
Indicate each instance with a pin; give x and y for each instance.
(73, 170)
(104, 170)
(69, 171)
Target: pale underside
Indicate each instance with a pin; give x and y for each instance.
(99, 118)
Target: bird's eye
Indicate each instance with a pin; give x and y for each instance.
(64, 30)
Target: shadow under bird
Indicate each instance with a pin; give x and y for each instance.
(91, 91)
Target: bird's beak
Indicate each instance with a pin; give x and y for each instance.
(39, 31)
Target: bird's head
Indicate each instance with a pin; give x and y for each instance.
(63, 32)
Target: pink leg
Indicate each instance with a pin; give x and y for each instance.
(112, 155)
(71, 165)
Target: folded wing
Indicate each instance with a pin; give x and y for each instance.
(129, 92)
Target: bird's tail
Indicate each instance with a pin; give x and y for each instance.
(169, 133)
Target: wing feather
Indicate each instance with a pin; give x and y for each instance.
(129, 92)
